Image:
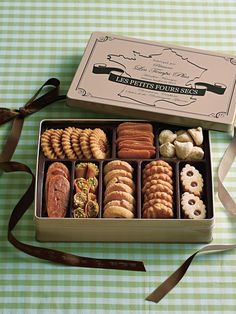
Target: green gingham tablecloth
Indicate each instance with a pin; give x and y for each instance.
(43, 39)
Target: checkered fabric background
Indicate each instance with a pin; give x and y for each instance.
(46, 38)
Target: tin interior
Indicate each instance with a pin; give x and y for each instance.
(109, 127)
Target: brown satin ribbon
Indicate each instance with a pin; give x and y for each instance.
(69, 259)
(228, 204)
(32, 106)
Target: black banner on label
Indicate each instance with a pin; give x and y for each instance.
(118, 78)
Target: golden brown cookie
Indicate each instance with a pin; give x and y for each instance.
(118, 187)
(150, 183)
(158, 162)
(99, 144)
(119, 195)
(75, 141)
(85, 143)
(124, 180)
(66, 143)
(158, 211)
(155, 201)
(46, 144)
(161, 195)
(159, 188)
(121, 203)
(56, 140)
(116, 173)
(158, 176)
(155, 170)
(117, 212)
(118, 165)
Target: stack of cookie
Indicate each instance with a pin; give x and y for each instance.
(85, 186)
(192, 186)
(183, 144)
(135, 140)
(57, 190)
(157, 190)
(119, 201)
(75, 143)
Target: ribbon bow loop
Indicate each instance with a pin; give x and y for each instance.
(35, 103)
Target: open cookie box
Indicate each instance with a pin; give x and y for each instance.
(138, 229)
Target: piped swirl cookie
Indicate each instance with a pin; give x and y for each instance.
(157, 190)
(75, 143)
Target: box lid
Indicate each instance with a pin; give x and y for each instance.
(156, 81)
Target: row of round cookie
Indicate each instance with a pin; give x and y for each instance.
(137, 169)
(76, 143)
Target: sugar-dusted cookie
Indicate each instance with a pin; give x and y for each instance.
(183, 136)
(183, 149)
(167, 150)
(197, 153)
(191, 180)
(166, 136)
(197, 135)
(192, 206)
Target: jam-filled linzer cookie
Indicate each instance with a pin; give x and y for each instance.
(135, 140)
(192, 206)
(157, 190)
(191, 180)
(119, 201)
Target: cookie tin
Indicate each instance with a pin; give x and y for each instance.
(138, 229)
(156, 81)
